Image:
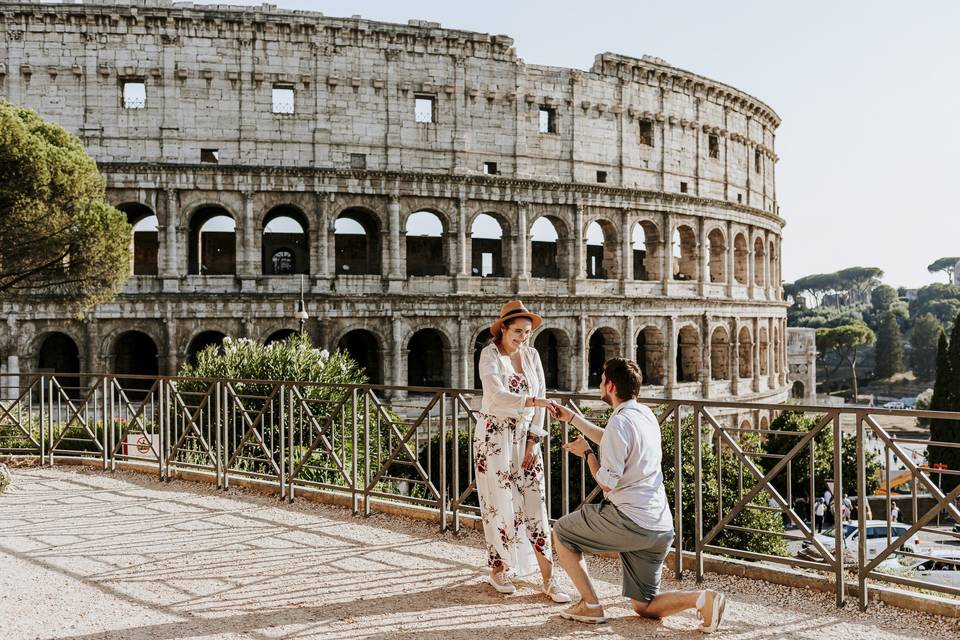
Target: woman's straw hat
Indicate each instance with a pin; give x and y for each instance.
(511, 310)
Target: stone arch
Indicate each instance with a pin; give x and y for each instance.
(759, 260)
(488, 235)
(480, 340)
(684, 253)
(285, 245)
(745, 425)
(720, 354)
(549, 237)
(603, 344)
(145, 248)
(602, 254)
(428, 358)
(555, 349)
(366, 349)
(740, 256)
(58, 354)
(646, 250)
(135, 353)
(200, 340)
(650, 355)
(764, 422)
(357, 242)
(745, 353)
(689, 359)
(212, 246)
(279, 335)
(763, 345)
(427, 251)
(717, 250)
(798, 390)
(776, 350)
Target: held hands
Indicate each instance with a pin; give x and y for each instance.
(559, 412)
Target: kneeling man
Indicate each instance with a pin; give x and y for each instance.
(634, 518)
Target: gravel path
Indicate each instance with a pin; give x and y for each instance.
(86, 555)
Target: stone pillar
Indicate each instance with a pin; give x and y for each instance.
(771, 356)
(323, 266)
(247, 254)
(523, 249)
(731, 259)
(13, 377)
(579, 270)
(396, 271)
(783, 357)
(463, 379)
(767, 272)
(626, 252)
(629, 342)
(398, 349)
(171, 267)
(703, 257)
(170, 336)
(582, 353)
(734, 357)
(756, 354)
(671, 364)
(707, 358)
(751, 263)
(666, 269)
(463, 250)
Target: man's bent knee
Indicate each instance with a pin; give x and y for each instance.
(642, 609)
(558, 544)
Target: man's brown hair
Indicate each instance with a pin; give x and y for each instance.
(625, 376)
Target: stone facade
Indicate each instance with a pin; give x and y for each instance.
(802, 364)
(349, 130)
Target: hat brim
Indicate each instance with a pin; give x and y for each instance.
(497, 325)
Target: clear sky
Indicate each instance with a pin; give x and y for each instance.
(868, 93)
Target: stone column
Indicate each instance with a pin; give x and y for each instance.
(247, 255)
(706, 360)
(398, 349)
(767, 286)
(396, 271)
(170, 336)
(731, 259)
(579, 271)
(582, 355)
(323, 267)
(13, 377)
(751, 263)
(463, 253)
(171, 268)
(756, 354)
(771, 356)
(734, 357)
(703, 256)
(522, 251)
(671, 364)
(667, 253)
(465, 369)
(783, 356)
(629, 343)
(626, 249)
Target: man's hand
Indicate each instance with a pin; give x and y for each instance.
(578, 447)
(560, 412)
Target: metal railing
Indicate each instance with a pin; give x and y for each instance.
(734, 489)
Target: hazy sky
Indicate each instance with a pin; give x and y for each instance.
(868, 94)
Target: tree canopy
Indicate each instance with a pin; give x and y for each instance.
(941, 300)
(853, 284)
(923, 346)
(57, 232)
(943, 265)
(889, 355)
(946, 397)
(846, 340)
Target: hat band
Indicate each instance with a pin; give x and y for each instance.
(515, 312)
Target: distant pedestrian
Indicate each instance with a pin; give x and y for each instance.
(818, 513)
(894, 513)
(847, 508)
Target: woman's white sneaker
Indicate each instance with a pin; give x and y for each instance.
(555, 594)
(501, 582)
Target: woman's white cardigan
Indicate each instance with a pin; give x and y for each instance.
(498, 401)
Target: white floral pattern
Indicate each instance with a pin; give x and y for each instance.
(512, 505)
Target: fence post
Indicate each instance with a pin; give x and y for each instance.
(677, 493)
(354, 506)
(113, 418)
(861, 513)
(106, 423)
(44, 441)
(290, 448)
(220, 431)
(455, 463)
(286, 413)
(366, 462)
(442, 471)
(838, 509)
(698, 493)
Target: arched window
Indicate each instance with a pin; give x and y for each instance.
(646, 254)
(684, 253)
(357, 242)
(285, 244)
(364, 348)
(554, 348)
(688, 355)
(146, 239)
(774, 265)
(601, 250)
(280, 335)
(798, 391)
(545, 249)
(764, 346)
(135, 353)
(718, 256)
(213, 245)
(745, 353)
(740, 256)
(759, 259)
(720, 354)
(427, 364)
(487, 247)
(201, 341)
(650, 350)
(604, 344)
(425, 254)
(58, 355)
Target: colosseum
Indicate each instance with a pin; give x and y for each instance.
(411, 179)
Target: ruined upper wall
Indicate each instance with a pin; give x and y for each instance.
(209, 73)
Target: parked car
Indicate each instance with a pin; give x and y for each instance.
(876, 539)
(943, 567)
(894, 404)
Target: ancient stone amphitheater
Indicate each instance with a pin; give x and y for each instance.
(412, 178)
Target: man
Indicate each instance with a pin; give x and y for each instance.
(634, 519)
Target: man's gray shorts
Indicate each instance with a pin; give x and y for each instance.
(601, 527)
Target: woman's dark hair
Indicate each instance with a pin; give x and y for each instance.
(625, 376)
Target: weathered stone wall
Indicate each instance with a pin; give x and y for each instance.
(353, 144)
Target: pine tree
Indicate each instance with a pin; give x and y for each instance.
(889, 352)
(923, 346)
(946, 397)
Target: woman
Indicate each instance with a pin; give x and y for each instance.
(509, 465)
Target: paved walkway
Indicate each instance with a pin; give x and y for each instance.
(86, 555)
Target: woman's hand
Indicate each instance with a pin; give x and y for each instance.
(531, 456)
